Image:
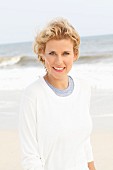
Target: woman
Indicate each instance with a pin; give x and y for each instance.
(55, 124)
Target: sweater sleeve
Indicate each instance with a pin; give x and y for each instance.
(88, 150)
(27, 133)
(88, 147)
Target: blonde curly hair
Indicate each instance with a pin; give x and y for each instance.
(57, 29)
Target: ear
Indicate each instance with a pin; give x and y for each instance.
(76, 53)
(43, 57)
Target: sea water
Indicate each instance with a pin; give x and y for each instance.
(19, 65)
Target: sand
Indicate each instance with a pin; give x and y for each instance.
(10, 155)
(102, 144)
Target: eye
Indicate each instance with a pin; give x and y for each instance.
(66, 53)
(52, 53)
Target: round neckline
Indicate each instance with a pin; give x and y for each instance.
(63, 92)
(52, 93)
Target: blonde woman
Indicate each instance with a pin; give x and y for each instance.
(55, 124)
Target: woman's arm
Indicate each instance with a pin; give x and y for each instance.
(89, 154)
(28, 135)
(88, 150)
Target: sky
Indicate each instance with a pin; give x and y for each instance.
(21, 19)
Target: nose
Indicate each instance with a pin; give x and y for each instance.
(59, 60)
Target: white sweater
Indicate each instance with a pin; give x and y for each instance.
(55, 131)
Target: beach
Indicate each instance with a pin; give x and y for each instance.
(9, 150)
(101, 137)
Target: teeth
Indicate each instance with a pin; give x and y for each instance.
(58, 68)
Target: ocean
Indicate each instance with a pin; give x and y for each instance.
(19, 67)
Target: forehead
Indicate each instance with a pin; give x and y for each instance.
(63, 44)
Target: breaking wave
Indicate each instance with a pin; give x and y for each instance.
(26, 61)
(18, 61)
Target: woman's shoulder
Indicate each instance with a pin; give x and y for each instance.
(83, 86)
(33, 89)
(80, 80)
(83, 83)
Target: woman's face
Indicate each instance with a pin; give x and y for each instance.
(59, 57)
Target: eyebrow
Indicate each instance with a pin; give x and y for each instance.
(51, 51)
(55, 51)
(48, 52)
(67, 51)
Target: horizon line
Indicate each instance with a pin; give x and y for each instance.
(29, 41)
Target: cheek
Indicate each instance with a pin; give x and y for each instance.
(48, 62)
(69, 61)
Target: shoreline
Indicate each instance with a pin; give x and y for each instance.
(99, 123)
(101, 117)
(101, 108)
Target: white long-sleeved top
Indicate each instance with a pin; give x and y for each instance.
(55, 131)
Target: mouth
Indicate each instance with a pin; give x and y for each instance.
(59, 69)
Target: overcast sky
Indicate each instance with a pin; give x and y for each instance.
(20, 19)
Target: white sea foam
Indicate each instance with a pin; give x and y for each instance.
(98, 75)
(12, 79)
(102, 115)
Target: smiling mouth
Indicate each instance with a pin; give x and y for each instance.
(59, 69)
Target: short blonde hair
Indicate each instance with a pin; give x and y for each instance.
(57, 29)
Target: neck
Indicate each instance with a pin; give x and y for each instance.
(57, 83)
